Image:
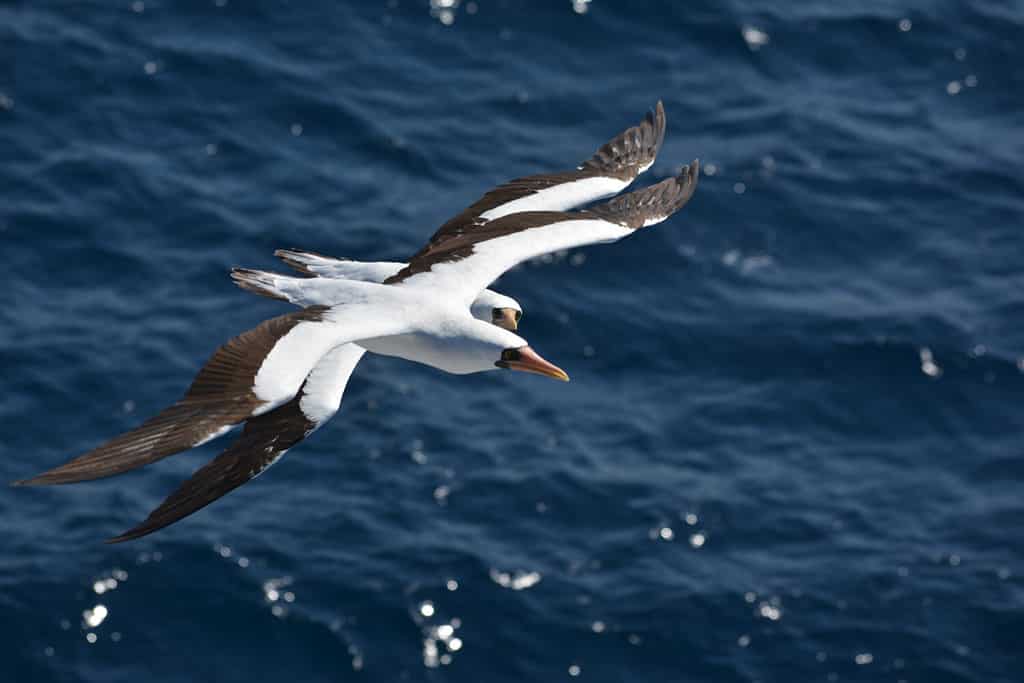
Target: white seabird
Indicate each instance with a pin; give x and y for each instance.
(285, 377)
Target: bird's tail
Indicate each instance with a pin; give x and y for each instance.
(310, 263)
(303, 291)
(261, 282)
(307, 262)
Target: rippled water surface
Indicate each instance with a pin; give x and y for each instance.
(791, 450)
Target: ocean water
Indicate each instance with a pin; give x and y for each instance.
(791, 449)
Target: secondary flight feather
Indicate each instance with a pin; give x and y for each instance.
(285, 378)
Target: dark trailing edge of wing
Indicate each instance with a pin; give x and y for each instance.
(264, 439)
(623, 157)
(220, 396)
(631, 210)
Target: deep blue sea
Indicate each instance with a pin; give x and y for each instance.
(792, 447)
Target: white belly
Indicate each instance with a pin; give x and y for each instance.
(435, 351)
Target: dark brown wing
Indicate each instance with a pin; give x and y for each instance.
(529, 234)
(650, 205)
(622, 158)
(220, 396)
(264, 439)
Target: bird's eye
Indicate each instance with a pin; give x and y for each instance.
(510, 354)
(496, 314)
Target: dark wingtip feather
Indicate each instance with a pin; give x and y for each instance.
(138, 531)
(176, 428)
(220, 396)
(126, 536)
(653, 204)
(688, 178)
(633, 150)
(659, 126)
(51, 478)
(265, 439)
(44, 479)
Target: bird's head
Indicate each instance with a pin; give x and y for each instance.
(483, 346)
(498, 309)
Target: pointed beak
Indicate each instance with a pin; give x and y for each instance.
(507, 319)
(526, 359)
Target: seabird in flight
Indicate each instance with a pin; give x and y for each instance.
(285, 377)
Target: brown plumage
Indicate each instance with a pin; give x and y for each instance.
(264, 439)
(630, 210)
(622, 157)
(634, 209)
(220, 396)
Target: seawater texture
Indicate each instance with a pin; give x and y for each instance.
(792, 446)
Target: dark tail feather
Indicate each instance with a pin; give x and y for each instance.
(258, 282)
(305, 261)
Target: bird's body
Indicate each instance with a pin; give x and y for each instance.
(448, 339)
(406, 322)
(285, 378)
(319, 289)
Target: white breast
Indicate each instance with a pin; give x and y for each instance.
(455, 343)
(427, 349)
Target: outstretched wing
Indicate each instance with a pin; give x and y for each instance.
(609, 171)
(250, 375)
(220, 397)
(464, 265)
(264, 440)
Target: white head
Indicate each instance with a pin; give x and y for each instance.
(480, 346)
(498, 309)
